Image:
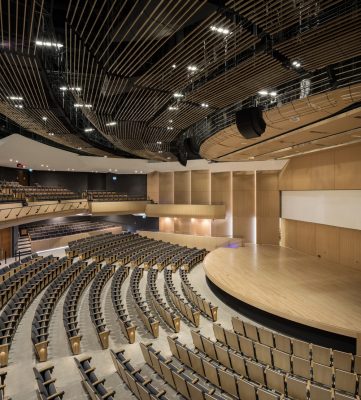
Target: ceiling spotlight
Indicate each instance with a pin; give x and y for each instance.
(19, 106)
(192, 68)
(113, 123)
(79, 105)
(44, 118)
(15, 98)
(136, 171)
(105, 156)
(172, 108)
(296, 64)
(51, 133)
(42, 165)
(72, 169)
(170, 128)
(79, 148)
(168, 158)
(174, 66)
(273, 94)
(263, 92)
(159, 142)
(178, 95)
(170, 121)
(64, 88)
(204, 105)
(16, 161)
(48, 44)
(88, 129)
(160, 151)
(11, 160)
(224, 31)
(141, 172)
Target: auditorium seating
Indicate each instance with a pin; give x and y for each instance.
(18, 304)
(71, 303)
(94, 386)
(103, 195)
(126, 325)
(207, 308)
(16, 266)
(57, 230)
(46, 384)
(95, 307)
(45, 309)
(148, 319)
(7, 198)
(181, 376)
(2, 384)
(168, 315)
(140, 386)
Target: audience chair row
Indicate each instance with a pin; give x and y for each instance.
(19, 303)
(2, 384)
(71, 303)
(94, 386)
(193, 259)
(46, 384)
(126, 325)
(14, 267)
(151, 258)
(186, 309)
(142, 387)
(148, 319)
(46, 306)
(95, 306)
(168, 315)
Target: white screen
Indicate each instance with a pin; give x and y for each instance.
(330, 207)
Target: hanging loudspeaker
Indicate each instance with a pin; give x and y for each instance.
(250, 122)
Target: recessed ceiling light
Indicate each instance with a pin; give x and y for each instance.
(47, 166)
(296, 64)
(172, 108)
(48, 44)
(224, 31)
(72, 169)
(204, 105)
(192, 68)
(105, 156)
(168, 158)
(170, 128)
(19, 106)
(16, 161)
(42, 165)
(263, 92)
(170, 121)
(160, 151)
(178, 95)
(18, 98)
(112, 123)
(141, 172)
(79, 148)
(44, 118)
(51, 133)
(79, 105)
(136, 171)
(88, 129)
(159, 142)
(174, 66)
(11, 160)
(273, 94)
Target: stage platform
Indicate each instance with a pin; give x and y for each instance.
(291, 285)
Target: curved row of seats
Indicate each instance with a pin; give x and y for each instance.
(140, 386)
(46, 384)
(194, 258)
(46, 306)
(15, 281)
(151, 247)
(11, 269)
(151, 259)
(75, 245)
(298, 348)
(95, 307)
(19, 303)
(186, 254)
(101, 195)
(169, 316)
(186, 309)
(298, 377)
(71, 303)
(148, 319)
(205, 306)
(94, 386)
(126, 325)
(180, 376)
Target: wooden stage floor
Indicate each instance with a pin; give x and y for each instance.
(291, 285)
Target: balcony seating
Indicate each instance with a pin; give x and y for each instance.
(102, 195)
(45, 309)
(126, 325)
(46, 384)
(139, 385)
(38, 192)
(170, 317)
(206, 307)
(186, 309)
(7, 198)
(71, 303)
(19, 303)
(94, 386)
(150, 322)
(95, 304)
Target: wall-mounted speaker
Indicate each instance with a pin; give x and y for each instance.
(250, 122)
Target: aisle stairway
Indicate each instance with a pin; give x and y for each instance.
(24, 246)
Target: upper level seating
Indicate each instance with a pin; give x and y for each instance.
(19, 303)
(126, 325)
(7, 198)
(195, 298)
(70, 315)
(46, 384)
(56, 230)
(37, 192)
(94, 386)
(45, 309)
(140, 386)
(103, 195)
(95, 304)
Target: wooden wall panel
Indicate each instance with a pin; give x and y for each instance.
(288, 233)
(5, 242)
(221, 193)
(166, 188)
(243, 206)
(200, 187)
(350, 247)
(306, 237)
(267, 208)
(348, 167)
(153, 186)
(166, 224)
(182, 187)
(328, 242)
(323, 170)
(201, 227)
(182, 225)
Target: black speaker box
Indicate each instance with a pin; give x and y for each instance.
(250, 122)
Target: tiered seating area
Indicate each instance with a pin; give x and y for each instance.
(37, 192)
(41, 232)
(103, 195)
(247, 362)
